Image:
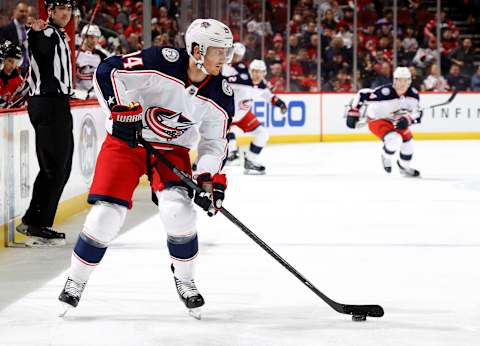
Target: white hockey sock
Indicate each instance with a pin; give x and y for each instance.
(79, 270)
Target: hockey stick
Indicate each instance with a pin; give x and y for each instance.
(363, 119)
(358, 312)
(450, 99)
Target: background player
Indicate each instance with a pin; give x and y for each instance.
(249, 88)
(88, 58)
(11, 81)
(390, 110)
(182, 93)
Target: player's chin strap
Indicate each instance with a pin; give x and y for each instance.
(354, 310)
(199, 64)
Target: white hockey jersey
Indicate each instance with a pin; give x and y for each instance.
(246, 93)
(87, 62)
(175, 111)
(384, 103)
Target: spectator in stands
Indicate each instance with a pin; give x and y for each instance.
(449, 43)
(464, 57)
(135, 27)
(166, 23)
(134, 43)
(124, 15)
(342, 82)
(278, 47)
(328, 20)
(409, 43)
(384, 75)
(430, 29)
(308, 65)
(434, 81)
(16, 32)
(426, 56)
(277, 81)
(294, 44)
(296, 74)
(475, 82)
(416, 80)
(346, 35)
(11, 81)
(456, 80)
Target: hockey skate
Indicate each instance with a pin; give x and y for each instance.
(252, 168)
(41, 236)
(408, 171)
(70, 295)
(189, 295)
(387, 164)
(233, 158)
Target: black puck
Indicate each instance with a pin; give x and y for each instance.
(359, 318)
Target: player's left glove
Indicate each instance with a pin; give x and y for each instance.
(402, 122)
(213, 194)
(279, 103)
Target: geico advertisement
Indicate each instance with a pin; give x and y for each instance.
(302, 117)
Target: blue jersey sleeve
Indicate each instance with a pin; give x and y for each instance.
(146, 59)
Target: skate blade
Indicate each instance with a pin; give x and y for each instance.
(65, 308)
(195, 313)
(251, 172)
(43, 242)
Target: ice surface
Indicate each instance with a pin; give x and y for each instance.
(359, 235)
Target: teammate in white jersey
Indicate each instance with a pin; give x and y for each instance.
(390, 110)
(88, 58)
(236, 66)
(250, 87)
(181, 95)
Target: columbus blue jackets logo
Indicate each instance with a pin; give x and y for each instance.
(170, 54)
(166, 123)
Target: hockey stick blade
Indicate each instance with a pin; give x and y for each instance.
(450, 99)
(364, 310)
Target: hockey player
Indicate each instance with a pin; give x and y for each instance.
(181, 93)
(236, 66)
(248, 88)
(88, 58)
(11, 81)
(390, 110)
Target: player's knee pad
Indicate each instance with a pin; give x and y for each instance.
(261, 136)
(104, 222)
(177, 212)
(392, 142)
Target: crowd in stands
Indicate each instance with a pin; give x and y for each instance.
(121, 27)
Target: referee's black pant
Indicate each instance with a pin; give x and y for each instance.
(52, 120)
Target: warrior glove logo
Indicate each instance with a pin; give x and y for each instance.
(166, 123)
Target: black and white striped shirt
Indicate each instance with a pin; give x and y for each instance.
(50, 64)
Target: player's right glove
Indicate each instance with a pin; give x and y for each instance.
(402, 120)
(213, 194)
(353, 116)
(127, 122)
(279, 103)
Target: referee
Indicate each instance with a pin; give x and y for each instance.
(50, 81)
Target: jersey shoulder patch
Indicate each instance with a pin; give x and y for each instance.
(384, 93)
(48, 31)
(227, 89)
(219, 91)
(170, 54)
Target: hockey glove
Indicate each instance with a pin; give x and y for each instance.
(402, 123)
(213, 194)
(127, 122)
(279, 103)
(353, 116)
